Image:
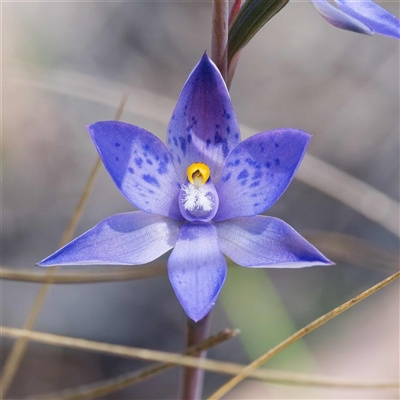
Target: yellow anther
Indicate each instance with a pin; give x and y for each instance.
(198, 174)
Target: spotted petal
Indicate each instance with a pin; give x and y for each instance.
(258, 171)
(372, 15)
(203, 126)
(261, 241)
(197, 269)
(340, 19)
(140, 165)
(130, 238)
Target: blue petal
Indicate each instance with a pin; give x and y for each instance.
(203, 126)
(140, 165)
(130, 238)
(340, 19)
(197, 269)
(261, 241)
(258, 171)
(372, 15)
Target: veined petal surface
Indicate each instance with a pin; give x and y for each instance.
(258, 171)
(197, 268)
(366, 11)
(140, 165)
(203, 126)
(261, 241)
(339, 18)
(127, 239)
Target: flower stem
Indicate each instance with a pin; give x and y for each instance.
(193, 377)
(219, 38)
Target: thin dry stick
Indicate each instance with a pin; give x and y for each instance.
(17, 352)
(314, 172)
(121, 382)
(189, 361)
(114, 275)
(298, 335)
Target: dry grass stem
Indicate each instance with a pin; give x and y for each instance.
(17, 352)
(112, 385)
(298, 335)
(189, 361)
(106, 275)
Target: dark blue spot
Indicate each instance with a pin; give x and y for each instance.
(149, 162)
(157, 158)
(189, 138)
(237, 162)
(146, 201)
(169, 130)
(254, 195)
(116, 159)
(188, 128)
(255, 184)
(276, 144)
(253, 163)
(217, 138)
(217, 126)
(226, 177)
(208, 142)
(179, 160)
(228, 116)
(166, 159)
(130, 169)
(267, 164)
(277, 162)
(243, 182)
(173, 116)
(243, 174)
(117, 144)
(257, 175)
(183, 144)
(256, 204)
(175, 142)
(151, 191)
(236, 136)
(150, 179)
(262, 148)
(138, 161)
(228, 129)
(225, 148)
(146, 147)
(162, 169)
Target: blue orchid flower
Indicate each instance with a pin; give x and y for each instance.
(361, 16)
(200, 195)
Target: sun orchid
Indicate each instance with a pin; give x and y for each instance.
(362, 16)
(200, 195)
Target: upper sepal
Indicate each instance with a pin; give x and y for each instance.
(203, 127)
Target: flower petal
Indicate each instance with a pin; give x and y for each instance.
(197, 269)
(258, 171)
(373, 15)
(261, 241)
(140, 165)
(203, 126)
(127, 239)
(340, 19)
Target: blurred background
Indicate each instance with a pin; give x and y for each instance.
(67, 64)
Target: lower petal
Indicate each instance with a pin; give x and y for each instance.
(197, 269)
(339, 18)
(126, 239)
(373, 15)
(261, 241)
